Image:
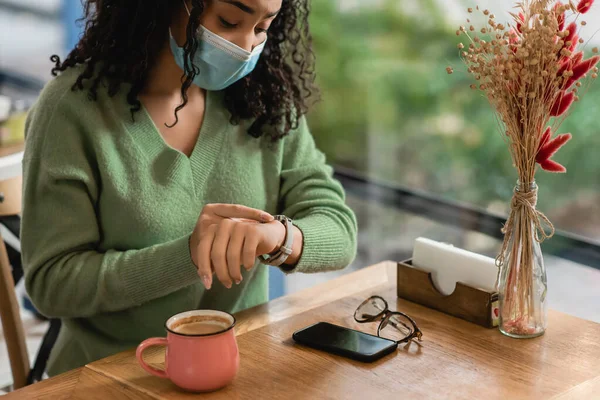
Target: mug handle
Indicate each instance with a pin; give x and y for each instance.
(139, 354)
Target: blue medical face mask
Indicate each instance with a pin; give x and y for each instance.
(220, 62)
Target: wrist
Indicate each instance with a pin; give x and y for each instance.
(281, 235)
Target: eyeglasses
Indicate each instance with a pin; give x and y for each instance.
(394, 325)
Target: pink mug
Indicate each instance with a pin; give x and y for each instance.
(203, 361)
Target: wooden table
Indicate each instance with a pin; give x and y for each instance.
(456, 359)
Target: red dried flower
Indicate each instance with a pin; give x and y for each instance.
(562, 104)
(520, 24)
(513, 39)
(584, 6)
(552, 146)
(553, 166)
(572, 28)
(581, 69)
(545, 137)
(548, 148)
(577, 58)
(574, 43)
(566, 64)
(560, 18)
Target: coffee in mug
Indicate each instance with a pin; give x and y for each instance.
(202, 353)
(200, 325)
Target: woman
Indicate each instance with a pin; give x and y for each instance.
(156, 160)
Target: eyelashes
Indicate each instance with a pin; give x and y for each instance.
(228, 25)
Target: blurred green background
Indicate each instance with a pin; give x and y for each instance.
(389, 110)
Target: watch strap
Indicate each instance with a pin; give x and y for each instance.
(280, 257)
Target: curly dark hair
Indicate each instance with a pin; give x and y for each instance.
(122, 38)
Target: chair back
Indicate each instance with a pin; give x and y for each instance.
(10, 204)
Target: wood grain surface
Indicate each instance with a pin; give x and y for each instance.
(456, 360)
(58, 388)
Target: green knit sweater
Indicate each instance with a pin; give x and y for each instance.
(108, 208)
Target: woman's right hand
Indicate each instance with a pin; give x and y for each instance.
(224, 239)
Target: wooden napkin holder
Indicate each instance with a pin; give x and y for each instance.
(471, 304)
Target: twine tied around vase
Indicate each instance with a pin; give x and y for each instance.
(524, 202)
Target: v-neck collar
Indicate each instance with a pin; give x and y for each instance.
(208, 144)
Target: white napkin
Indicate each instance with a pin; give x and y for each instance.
(449, 265)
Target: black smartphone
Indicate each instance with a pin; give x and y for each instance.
(345, 342)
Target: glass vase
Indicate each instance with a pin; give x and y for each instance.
(522, 285)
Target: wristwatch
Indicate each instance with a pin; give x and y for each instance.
(280, 256)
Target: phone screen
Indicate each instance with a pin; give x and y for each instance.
(346, 342)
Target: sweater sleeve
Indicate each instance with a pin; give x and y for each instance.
(66, 275)
(316, 202)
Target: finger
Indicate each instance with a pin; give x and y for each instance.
(234, 253)
(218, 254)
(249, 253)
(246, 220)
(238, 211)
(203, 255)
